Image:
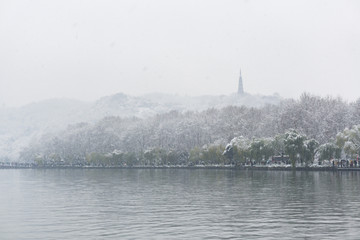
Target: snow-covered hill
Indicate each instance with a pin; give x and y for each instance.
(148, 105)
(20, 126)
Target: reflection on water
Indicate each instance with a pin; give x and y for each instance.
(178, 204)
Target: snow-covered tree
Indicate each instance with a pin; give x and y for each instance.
(349, 141)
(294, 145)
(310, 149)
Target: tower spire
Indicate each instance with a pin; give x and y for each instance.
(240, 87)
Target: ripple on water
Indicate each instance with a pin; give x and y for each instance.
(177, 204)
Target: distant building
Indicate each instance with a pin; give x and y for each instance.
(280, 159)
(240, 87)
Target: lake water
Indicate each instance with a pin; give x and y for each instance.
(178, 204)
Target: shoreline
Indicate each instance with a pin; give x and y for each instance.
(238, 168)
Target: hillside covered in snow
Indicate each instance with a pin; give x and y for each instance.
(29, 124)
(327, 126)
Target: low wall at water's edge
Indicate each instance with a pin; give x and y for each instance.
(247, 168)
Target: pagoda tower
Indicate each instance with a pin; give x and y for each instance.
(240, 87)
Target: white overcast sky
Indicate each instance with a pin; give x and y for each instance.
(85, 49)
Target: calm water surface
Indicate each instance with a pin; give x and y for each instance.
(178, 204)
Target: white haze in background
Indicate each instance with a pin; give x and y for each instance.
(89, 49)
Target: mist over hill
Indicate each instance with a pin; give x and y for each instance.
(170, 126)
(178, 137)
(29, 123)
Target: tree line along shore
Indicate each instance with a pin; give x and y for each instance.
(291, 149)
(311, 131)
